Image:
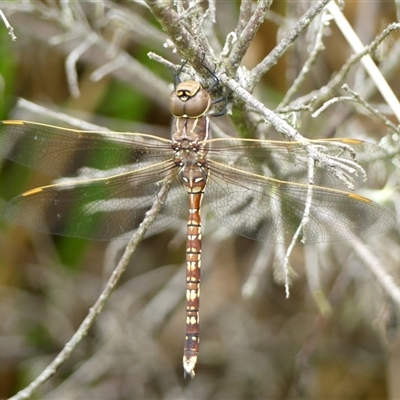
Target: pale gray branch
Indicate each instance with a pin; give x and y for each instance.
(286, 42)
(83, 329)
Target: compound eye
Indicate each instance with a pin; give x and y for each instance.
(176, 105)
(198, 105)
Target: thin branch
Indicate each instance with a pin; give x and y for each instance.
(373, 111)
(189, 47)
(98, 55)
(70, 64)
(340, 168)
(245, 13)
(161, 60)
(245, 37)
(283, 274)
(192, 17)
(328, 103)
(107, 68)
(302, 227)
(318, 47)
(139, 28)
(273, 57)
(313, 273)
(337, 80)
(59, 116)
(376, 267)
(279, 124)
(212, 7)
(371, 68)
(356, 98)
(83, 329)
(208, 22)
(258, 271)
(8, 26)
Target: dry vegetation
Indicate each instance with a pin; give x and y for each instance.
(86, 64)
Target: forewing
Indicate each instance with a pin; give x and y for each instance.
(271, 210)
(61, 151)
(102, 208)
(288, 161)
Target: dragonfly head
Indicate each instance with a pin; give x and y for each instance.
(189, 100)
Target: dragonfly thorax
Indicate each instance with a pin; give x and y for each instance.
(190, 128)
(189, 152)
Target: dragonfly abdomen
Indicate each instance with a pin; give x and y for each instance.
(194, 178)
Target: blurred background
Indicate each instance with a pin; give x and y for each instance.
(335, 337)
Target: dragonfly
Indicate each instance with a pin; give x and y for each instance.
(260, 189)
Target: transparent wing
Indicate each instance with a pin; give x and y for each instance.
(249, 191)
(101, 208)
(287, 161)
(61, 151)
(271, 210)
